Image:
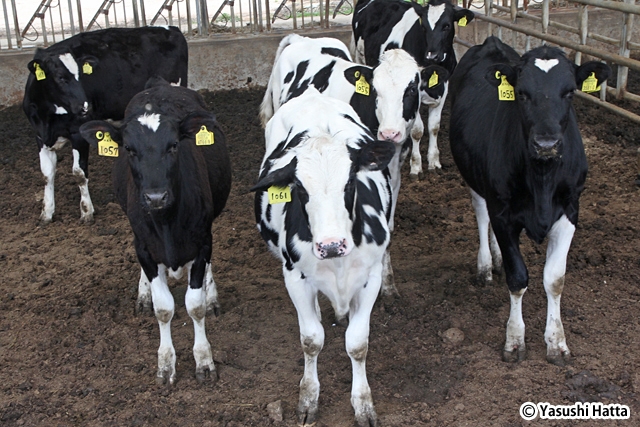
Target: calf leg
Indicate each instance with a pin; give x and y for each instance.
(489, 257)
(514, 347)
(48, 162)
(144, 302)
(357, 344)
(81, 172)
(164, 308)
(195, 302)
(433, 125)
(555, 266)
(312, 339)
(416, 158)
(388, 286)
(211, 298)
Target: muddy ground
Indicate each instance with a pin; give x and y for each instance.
(73, 353)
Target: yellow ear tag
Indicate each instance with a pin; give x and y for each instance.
(362, 87)
(462, 22)
(204, 136)
(279, 194)
(505, 90)
(433, 80)
(590, 84)
(106, 146)
(39, 72)
(87, 68)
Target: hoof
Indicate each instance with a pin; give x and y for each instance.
(416, 177)
(205, 374)
(213, 309)
(164, 377)
(307, 417)
(86, 220)
(559, 358)
(518, 354)
(144, 308)
(43, 222)
(484, 278)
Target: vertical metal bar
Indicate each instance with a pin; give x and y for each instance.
(53, 33)
(233, 16)
(136, 17)
(475, 31)
(321, 13)
(326, 14)
(179, 15)
(514, 19)
(61, 21)
(143, 13)
(302, 12)
(625, 37)
(44, 29)
(241, 16)
(545, 16)
(293, 14)
(254, 15)
(189, 27)
(311, 12)
(115, 13)
(6, 24)
(583, 29)
(500, 32)
(488, 4)
(16, 25)
(80, 24)
(260, 25)
(73, 26)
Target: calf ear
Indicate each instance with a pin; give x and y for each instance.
(428, 81)
(95, 130)
(459, 14)
(496, 71)
(191, 125)
(88, 63)
(279, 177)
(376, 155)
(600, 69)
(355, 73)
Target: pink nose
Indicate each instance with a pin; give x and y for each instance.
(331, 248)
(389, 135)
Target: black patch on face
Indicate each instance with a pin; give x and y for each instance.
(338, 53)
(392, 45)
(281, 149)
(298, 87)
(321, 79)
(411, 99)
(371, 197)
(296, 221)
(287, 260)
(288, 77)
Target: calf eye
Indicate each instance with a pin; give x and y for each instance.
(446, 27)
(568, 95)
(173, 147)
(522, 96)
(130, 150)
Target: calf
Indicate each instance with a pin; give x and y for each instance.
(427, 34)
(331, 233)
(172, 178)
(93, 76)
(389, 107)
(515, 139)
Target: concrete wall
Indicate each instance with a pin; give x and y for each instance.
(229, 62)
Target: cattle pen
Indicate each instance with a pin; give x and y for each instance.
(74, 353)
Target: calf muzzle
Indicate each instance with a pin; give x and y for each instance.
(157, 200)
(331, 248)
(546, 147)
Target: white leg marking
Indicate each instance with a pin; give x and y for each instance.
(48, 162)
(164, 308)
(396, 179)
(416, 157)
(433, 125)
(555, 266)
(388, 284)
(304, 298)
(357, 344)
(86, 207)
(484, 253)
(144, 302)
(195, 302)
(211, 297)
(514, 345)
(495, 252)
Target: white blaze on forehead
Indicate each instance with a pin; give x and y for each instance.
(546, 64)
(71, 64)
(60, 110)
(434, 14)
(152, 121)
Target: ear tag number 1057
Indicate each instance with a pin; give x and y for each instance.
(106, 146)
(279, 194)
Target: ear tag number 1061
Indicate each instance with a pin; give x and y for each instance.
(106, 146)
(279, 194)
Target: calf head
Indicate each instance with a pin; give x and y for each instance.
(396, 85)
(57, 76)
(152, 144)
(438, 20)
(433, 79)
(322, 177)
(544, 83)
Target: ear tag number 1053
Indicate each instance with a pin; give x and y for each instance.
(279, 194)
(106, 146)
(505, 90)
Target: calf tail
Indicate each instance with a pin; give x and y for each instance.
(267, 107)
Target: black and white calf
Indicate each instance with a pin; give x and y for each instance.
(332, 232)
(385, 97)
(93, 76)
(427, 34)
(515, 139)
(172, 179)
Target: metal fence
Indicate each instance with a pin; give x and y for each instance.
(26, 23)
(529, 23)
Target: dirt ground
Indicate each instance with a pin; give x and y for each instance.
(73, 353)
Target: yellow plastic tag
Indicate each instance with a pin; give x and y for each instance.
(204, 136)
(462, 22)
(505, 90)
(590, 84)
(39, 72)
(433, 80)
(279, 195)
(362, 87)
(106, 146)
(87, 68)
